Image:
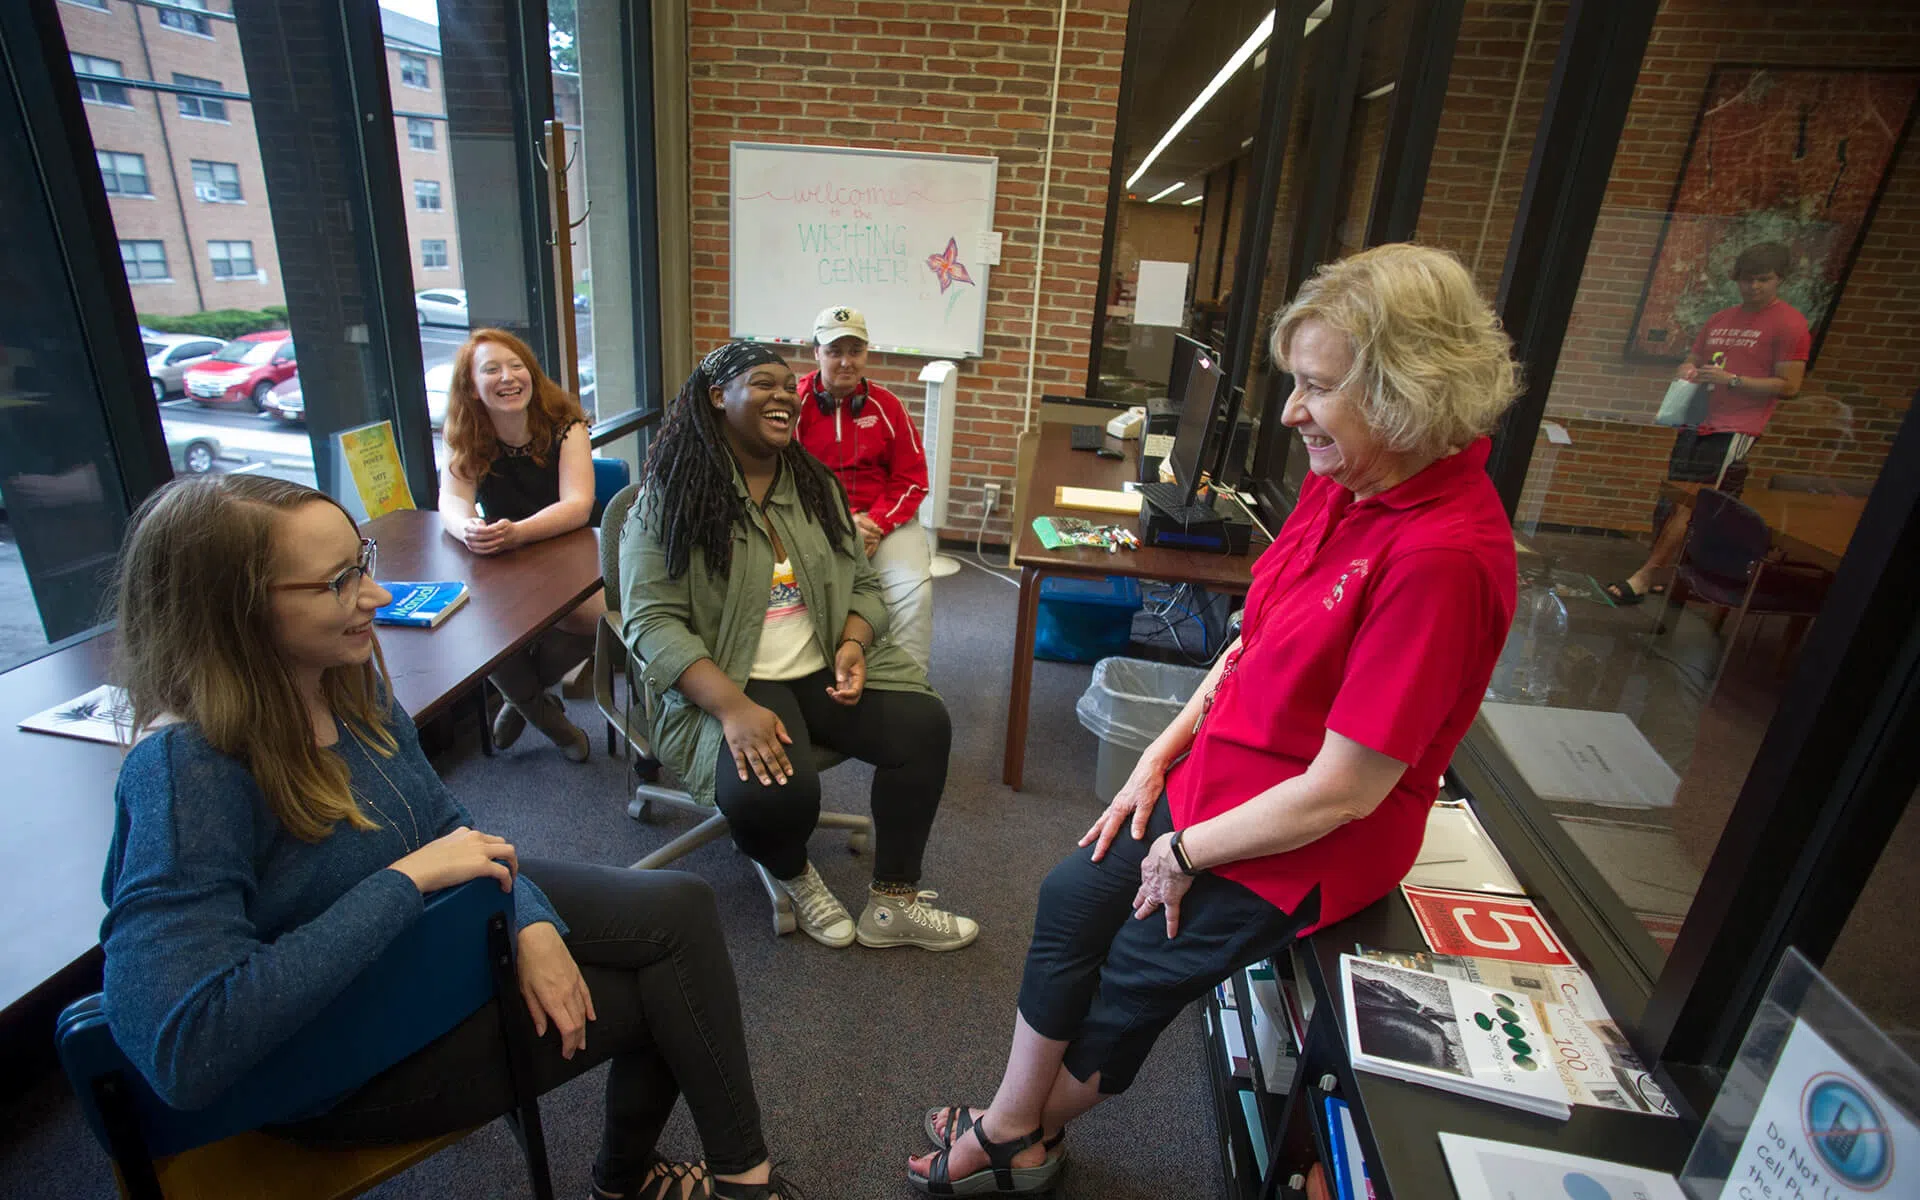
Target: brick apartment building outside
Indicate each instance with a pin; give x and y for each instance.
(183, 173)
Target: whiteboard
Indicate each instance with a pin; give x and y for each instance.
(894, 234)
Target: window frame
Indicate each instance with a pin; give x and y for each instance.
(191, 17)
(445, 259)
(407, 59)
(215, 183)
(93, 66)
(118, 174)
(414, 127)
(226, 258)
(199, 103)
(425, 189)
(136, 265)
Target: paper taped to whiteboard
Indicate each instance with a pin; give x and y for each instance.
(989, 248)
(897, 235)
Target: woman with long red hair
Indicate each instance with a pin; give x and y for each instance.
(520, 470)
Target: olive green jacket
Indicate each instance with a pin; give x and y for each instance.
(670, 624)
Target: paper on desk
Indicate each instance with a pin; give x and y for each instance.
(1583, 756)
(102, 715)
(1097, 500)
(1458, 854)
(1489, 1170)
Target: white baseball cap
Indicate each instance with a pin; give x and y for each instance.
(837, 322)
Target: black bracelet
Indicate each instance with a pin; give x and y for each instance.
(1179, 852)
(856, 641)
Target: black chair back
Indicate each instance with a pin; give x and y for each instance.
(1727, 538)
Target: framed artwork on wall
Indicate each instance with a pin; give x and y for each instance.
(1789, 154)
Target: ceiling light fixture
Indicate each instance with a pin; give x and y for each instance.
(1255, 40)
(1167, 191)
(1191, 200)
(1375, 94)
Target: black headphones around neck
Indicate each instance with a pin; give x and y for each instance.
(829, 401)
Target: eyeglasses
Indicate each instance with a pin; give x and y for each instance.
(346, 585)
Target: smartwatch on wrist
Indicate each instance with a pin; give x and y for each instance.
(1179, 852)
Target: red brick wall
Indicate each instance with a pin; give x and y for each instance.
(887, 74)
(1854, 398)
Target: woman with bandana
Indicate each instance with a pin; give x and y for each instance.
(746, 591)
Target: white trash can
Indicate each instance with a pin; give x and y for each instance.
(1128, 704)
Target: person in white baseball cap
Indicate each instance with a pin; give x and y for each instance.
(864, 435)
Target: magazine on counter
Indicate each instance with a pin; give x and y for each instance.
(1490, 1170)
(1457, 853)
(104, 714)
(1450, 1034)
(1596, 1062)
(1484, 926)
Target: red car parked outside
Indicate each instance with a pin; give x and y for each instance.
(244, 370)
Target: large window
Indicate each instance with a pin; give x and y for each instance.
(232, 260)
(123, 174)
(426, 195)
(420, 133)
(200, 108)
(146, 261)
(216, 180)
(186, 22)
(96, 91)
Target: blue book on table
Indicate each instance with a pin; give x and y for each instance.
(1348, 1169)
(423, 605)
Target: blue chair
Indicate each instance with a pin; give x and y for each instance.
(441, 971)
(609, 476)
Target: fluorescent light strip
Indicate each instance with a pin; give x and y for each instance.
(1167, 191)
(1254, 41)
(1375, 94)
(1191, 200)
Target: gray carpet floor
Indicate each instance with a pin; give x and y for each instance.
(848, 1046)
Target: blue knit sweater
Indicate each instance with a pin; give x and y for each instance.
(224, 933)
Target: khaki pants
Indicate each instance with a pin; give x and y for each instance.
(904, 563)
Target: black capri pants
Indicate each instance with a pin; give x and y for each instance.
(905, 735)
(1108, 984)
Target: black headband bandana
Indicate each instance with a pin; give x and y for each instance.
(724, 362)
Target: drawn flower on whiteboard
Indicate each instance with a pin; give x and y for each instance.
(947, 268)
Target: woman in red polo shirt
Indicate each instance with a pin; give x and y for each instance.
(1296, 781)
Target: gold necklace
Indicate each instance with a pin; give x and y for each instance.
(412, 823)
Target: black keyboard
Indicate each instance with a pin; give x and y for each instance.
(1089, 437)
(1167, 498)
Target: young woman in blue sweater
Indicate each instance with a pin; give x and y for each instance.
(278, 825)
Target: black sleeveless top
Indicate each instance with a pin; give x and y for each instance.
(516, 487)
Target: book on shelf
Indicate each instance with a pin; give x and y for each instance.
(1595, 1061)
(421, 605)
(1233, 1042)
(1450, 1034)
(1256, 1131)
(1457, 853)
(1272, 1040)
(1488, 1170)
(1484, 926)
(1349, 1166)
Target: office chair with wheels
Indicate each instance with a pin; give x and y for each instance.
(1728, 561)
(612, 655)
(442, 970)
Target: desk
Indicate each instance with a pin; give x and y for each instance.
(1809, 526)
(57, 808)
(1056, 464)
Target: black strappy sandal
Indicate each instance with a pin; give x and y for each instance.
(999, 1178)
(776, 1188)
(959, 1119)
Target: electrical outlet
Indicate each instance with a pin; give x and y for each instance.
(991, 497)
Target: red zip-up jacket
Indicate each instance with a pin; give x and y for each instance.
(876, 452)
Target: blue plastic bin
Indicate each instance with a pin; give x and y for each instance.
(1085, 620)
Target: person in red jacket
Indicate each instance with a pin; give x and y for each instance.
(864, 435)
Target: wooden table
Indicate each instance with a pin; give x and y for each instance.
(1057, 464)
(56, 811)
(1811, 526)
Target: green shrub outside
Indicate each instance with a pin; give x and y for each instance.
(227, 323)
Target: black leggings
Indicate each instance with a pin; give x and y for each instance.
(905, 735)
(650, 948)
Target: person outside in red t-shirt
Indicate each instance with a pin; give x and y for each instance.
(1293, 789)
(864, 435)
(1751, 356)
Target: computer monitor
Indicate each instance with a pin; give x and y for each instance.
(1185, 349)
(1204, 394)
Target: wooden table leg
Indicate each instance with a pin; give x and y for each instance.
(1022, 684)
